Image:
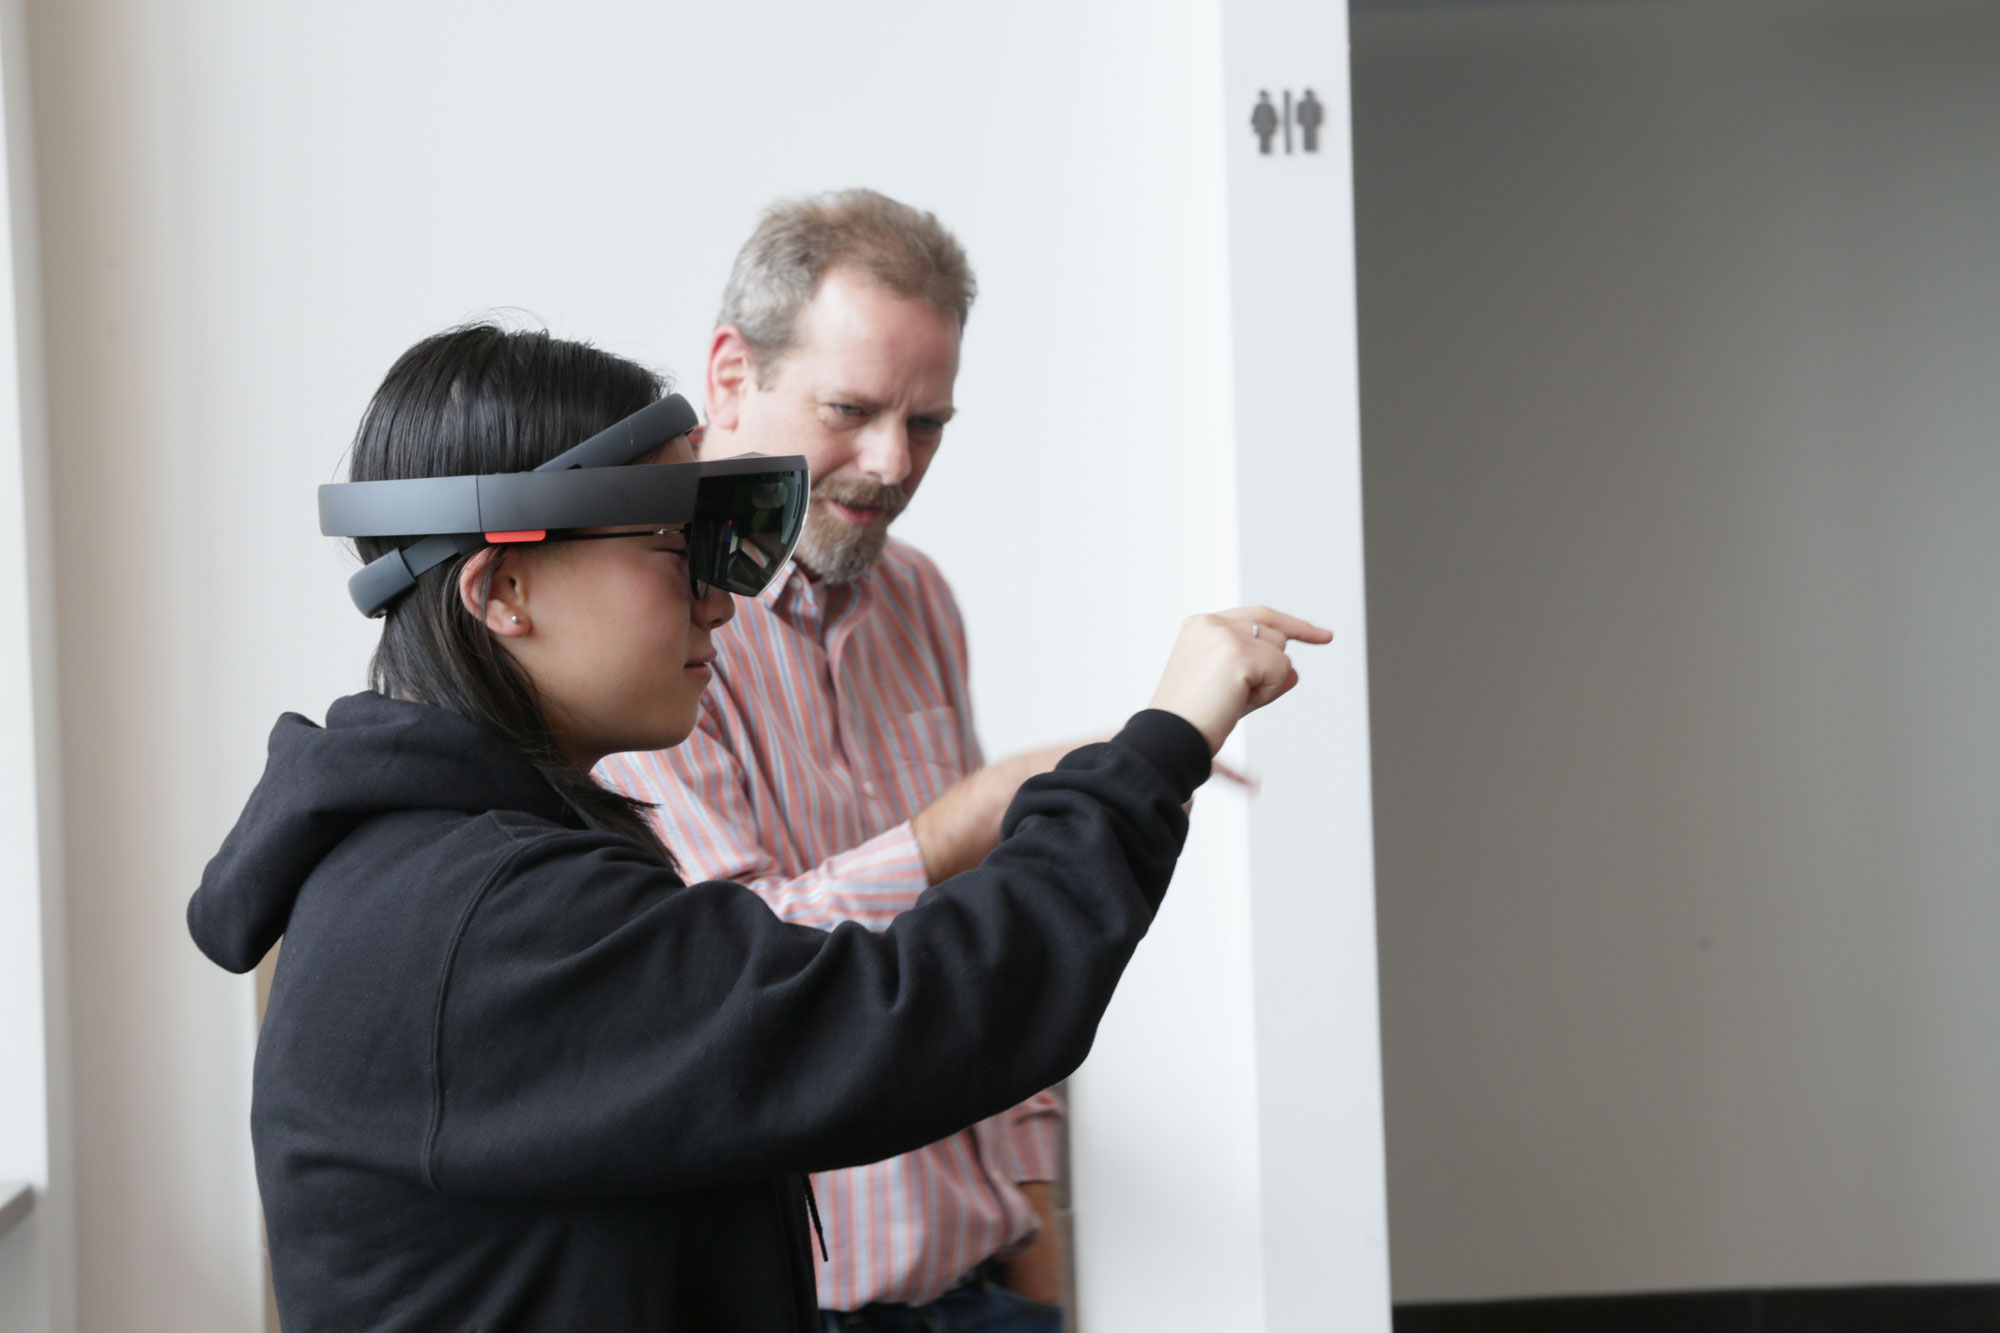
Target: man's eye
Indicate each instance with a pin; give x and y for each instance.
(927, 426)
(847, 409)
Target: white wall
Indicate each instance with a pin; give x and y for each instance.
(37, 1279)
(250, 209)
(1680, 328)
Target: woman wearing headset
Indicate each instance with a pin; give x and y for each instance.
(515, 1074)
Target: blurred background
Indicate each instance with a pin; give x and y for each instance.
(1680, 351)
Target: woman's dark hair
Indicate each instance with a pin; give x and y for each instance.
(482, 399)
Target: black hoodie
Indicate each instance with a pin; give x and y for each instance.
(515, 1075)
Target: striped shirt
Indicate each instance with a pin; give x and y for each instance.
(837, 712)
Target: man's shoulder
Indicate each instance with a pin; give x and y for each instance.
(902, 568)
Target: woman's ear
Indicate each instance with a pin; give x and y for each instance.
(492, 594)
(728, 376)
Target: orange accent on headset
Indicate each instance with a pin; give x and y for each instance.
(525, 535)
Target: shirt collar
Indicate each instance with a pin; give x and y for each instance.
(783, 594)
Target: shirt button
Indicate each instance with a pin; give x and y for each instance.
(868, 788)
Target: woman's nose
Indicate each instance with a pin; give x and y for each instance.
(715, 607)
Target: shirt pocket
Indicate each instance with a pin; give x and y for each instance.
(923, 753)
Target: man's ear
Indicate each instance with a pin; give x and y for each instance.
(729, 376)
(492, 590)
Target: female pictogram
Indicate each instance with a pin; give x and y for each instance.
(1264, 120)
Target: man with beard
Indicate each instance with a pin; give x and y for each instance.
(834, 768)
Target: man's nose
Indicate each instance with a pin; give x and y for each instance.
(885, 452)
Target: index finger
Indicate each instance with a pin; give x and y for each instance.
(1288, 627)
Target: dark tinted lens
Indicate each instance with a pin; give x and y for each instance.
(744, 528)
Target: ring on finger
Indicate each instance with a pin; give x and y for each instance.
(1255, 629)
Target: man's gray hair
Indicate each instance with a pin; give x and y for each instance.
(797, 240)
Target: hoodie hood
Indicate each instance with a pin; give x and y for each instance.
(374, 756)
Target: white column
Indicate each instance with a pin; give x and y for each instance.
(1298, 471)
(1228, 1136)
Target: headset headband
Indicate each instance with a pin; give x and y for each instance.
(749, 508)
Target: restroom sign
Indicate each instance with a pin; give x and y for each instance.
(1287, 120)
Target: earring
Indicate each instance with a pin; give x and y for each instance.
(515, 619)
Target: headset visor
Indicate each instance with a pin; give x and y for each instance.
(746, 524)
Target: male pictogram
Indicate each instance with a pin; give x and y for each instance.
(1264, 120)
(1311, 114)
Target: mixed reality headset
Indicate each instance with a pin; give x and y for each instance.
(741, 516)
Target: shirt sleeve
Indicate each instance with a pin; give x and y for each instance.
(1035, 1127)
(958, 655)
(702, 812)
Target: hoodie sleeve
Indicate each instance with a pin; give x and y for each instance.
(604, 1030)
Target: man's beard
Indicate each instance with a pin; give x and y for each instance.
(836, 551)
